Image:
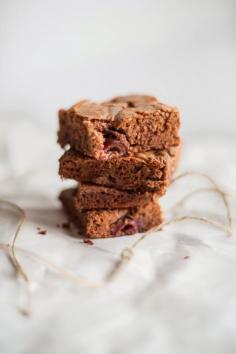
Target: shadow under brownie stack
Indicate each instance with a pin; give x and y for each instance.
(123, 153)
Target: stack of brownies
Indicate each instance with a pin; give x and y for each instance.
(123, 153)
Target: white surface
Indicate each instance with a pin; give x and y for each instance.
(160, 303)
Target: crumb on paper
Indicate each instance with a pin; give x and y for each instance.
(65, 225)
(89, 242)
(186, 257)
(42, 232)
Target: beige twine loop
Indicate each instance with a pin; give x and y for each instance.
(215, 189)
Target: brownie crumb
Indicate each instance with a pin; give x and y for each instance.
(42, 232)
(186, 257)
(89, 242)
(58, 225)
(38, 228)
(65, 225)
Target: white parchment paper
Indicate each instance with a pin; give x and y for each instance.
(162, 302)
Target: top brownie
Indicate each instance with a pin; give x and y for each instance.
(119, 127)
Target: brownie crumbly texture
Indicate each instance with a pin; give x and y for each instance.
(120, 127)
(99, 197)
(144, 171)
(111, 223)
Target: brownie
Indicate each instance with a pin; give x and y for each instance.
(120, 127)
(110, 223)
(89, 196)
(144, 171)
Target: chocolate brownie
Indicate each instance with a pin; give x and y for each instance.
(111, 223)
(144, 171)
(89, 196)
(120, 127)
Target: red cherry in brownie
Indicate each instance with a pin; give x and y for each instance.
(112, 146)
(130, 228)
(126, 226)
(115, 143)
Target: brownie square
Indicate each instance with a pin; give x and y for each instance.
(143, 171)
(120, 127)
(110, 223)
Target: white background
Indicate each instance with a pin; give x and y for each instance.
(54, 53)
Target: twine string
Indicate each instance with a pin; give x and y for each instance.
(59, 269)
(217, 190)
(19, 269)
